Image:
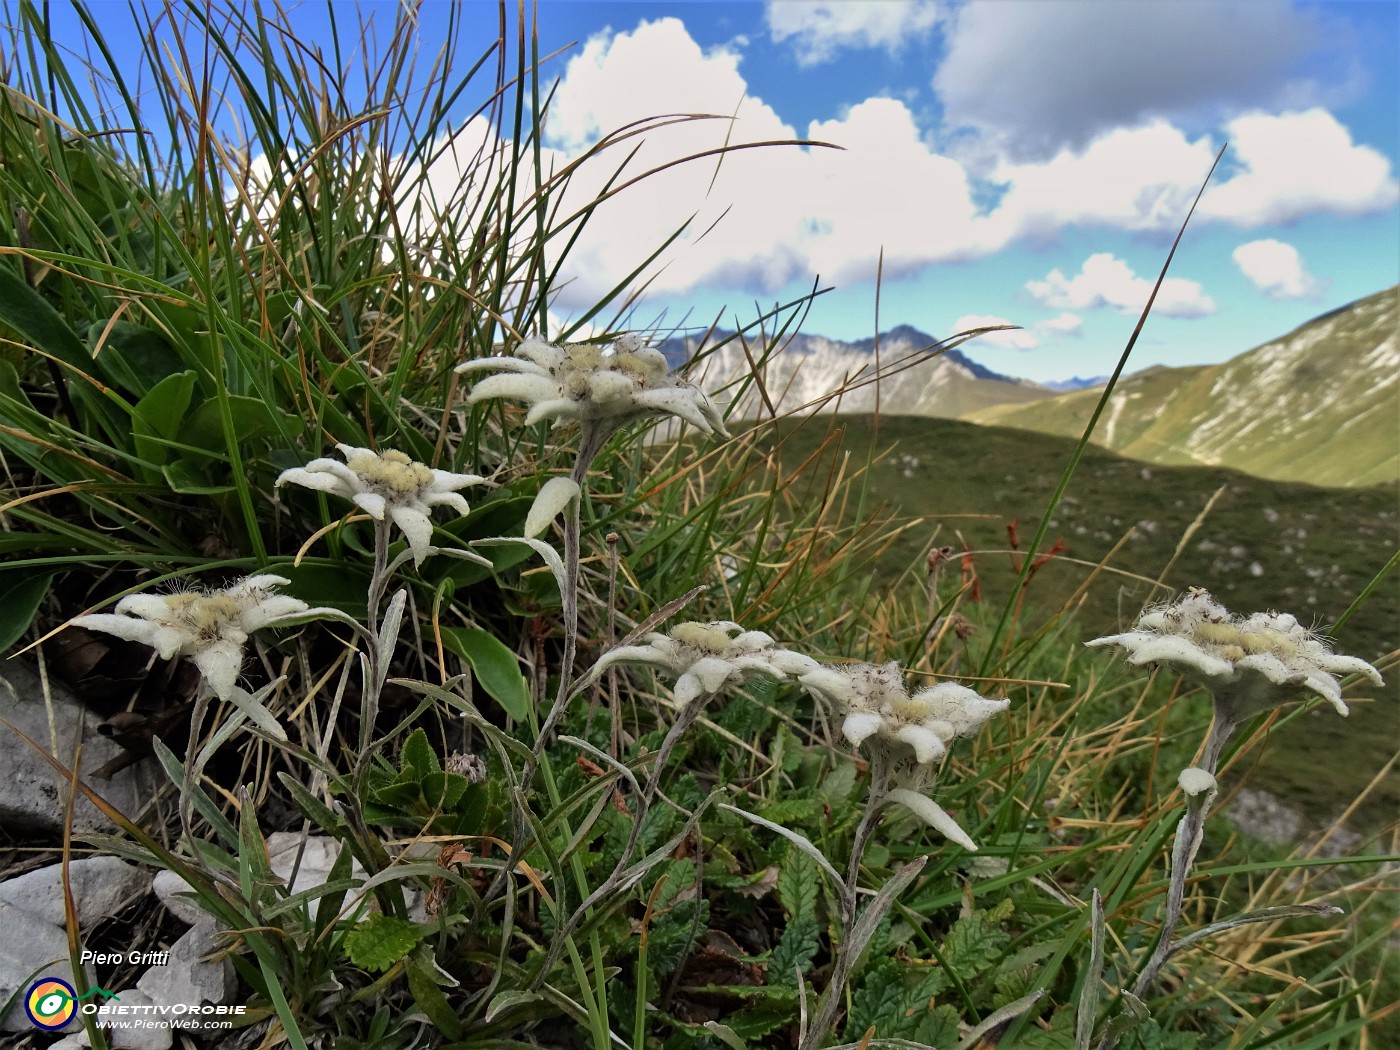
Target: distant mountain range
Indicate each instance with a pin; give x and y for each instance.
(1320, 405)
(809, 373)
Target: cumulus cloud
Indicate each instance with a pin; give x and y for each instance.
(1065, 324)
(819, 28)
(1294, 164)
(1037, 77)
(1011, 339)
(1276, 269)
(760, 218)
(1105, 280)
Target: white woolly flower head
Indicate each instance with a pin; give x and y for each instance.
(878, 707)
(594, 384)
(208, 626)
(710, 657)
(1249, 663)
(387, 483)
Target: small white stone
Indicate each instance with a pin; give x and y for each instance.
(188, 977)
(158, 1038)
(101, 886)
(167, 886)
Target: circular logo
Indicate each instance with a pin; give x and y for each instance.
(50, 1003)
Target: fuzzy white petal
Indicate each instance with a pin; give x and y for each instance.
(516, 387)
(220, 663)
(446, 481)
(859, 725)
(417, 529)
(554, 496)
(563, 407)
(934, 814)
(372, 503)
(925, 742)
(454, 500)
(127, 627)
(1195, 781)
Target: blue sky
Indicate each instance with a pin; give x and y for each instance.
(1022, 161)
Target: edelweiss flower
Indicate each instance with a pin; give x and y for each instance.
(1249, 664)
(710, 657)
(387, 482)
(876, 704)
(600, 385)
(878, 709)
(210, 627)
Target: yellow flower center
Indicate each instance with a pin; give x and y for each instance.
(392, 474)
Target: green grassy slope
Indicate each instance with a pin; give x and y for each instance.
(1265, 544)
(1320, 405)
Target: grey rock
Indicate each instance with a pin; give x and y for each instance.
(101, 886)
(168, 886)
(142, 1038)
(30, 950)
(317, 859)
(32, 795)
(190, 976)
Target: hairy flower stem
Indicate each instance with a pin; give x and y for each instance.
(879, 787)
(378, 584)
(590, 444)
(1187, 844)
(642, 805)
(187, 785)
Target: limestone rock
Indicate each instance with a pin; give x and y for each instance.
(191, 976)
(101, 886)
(32, 795)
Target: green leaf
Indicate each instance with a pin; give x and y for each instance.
(423, 986)
(21, 592)
(797, 886)
(136, 357)
(495, 666)
(380, 941)
(418, 755)
(183, 476)
(795, 951)
(252, 418)
(29, 313)
(158, 415)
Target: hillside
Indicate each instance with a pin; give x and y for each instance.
(803, 373)
(1319, 405)
(1265, 544)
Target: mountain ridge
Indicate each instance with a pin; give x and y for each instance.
(1320, 404)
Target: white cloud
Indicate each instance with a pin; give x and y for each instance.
(1105, 280)
(1295, 164)
(1277, 269)
(1012, 339)
(819, 28)
(1038, 76)
(1138, 179)
(1065, 324)
(762, 217)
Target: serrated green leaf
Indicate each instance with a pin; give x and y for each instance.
(495, 666)
(381, 940)
(418, 755)
(797, 885)
(795, 951)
